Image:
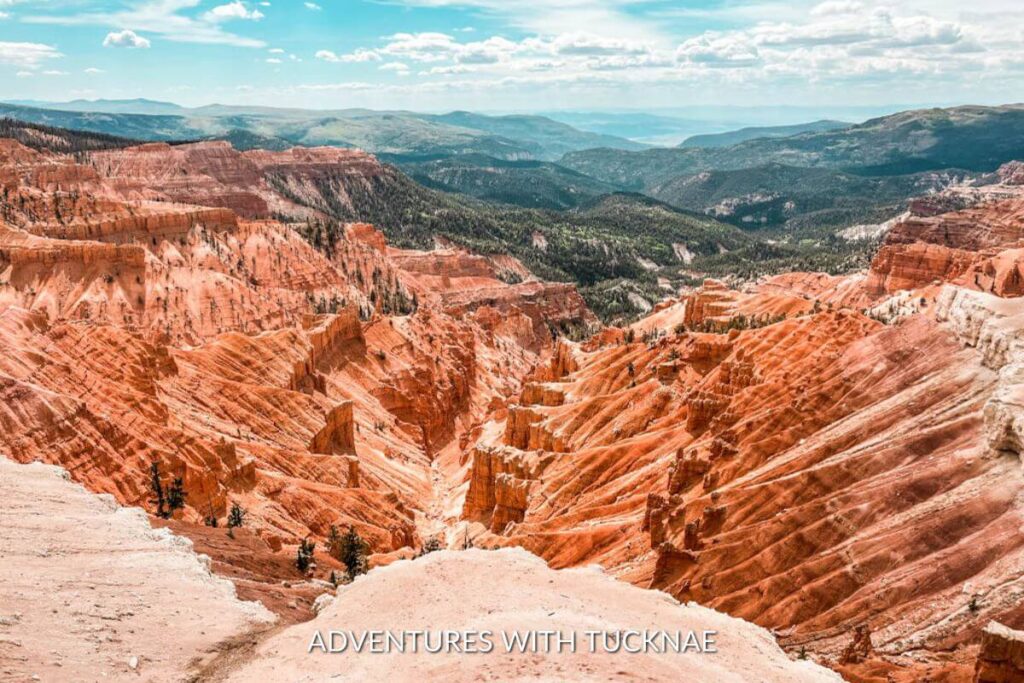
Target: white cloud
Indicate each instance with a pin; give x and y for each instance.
(592, 45)
(718, 50)
(842, 44)
(398, 67)
(360, 55)
(770, 47)
(93, 71)
(836, 7)
(440, 47)
(36, 74)
(126, 38)
(165, 18)
(28, 55)
(233, 10)
(841, 40)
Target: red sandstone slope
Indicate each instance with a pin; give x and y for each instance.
(256, 184)
(137, 329)
(811, 474)
(813, 453)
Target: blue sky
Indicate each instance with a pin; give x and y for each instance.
(517, 55)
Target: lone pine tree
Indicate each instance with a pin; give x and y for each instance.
(237, 516)
(304, 555)
(352, 550)
(169, 500)
(158, 490)
(176, 495)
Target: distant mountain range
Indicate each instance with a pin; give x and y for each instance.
(970, 137)
(388, 132)
(752, 133)
(531, 184)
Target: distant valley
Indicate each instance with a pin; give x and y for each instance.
(625, 222)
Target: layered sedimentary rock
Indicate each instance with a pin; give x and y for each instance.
(499, 485)
(967, 235)
(1001, 657)
(907, 266)
(338, 435)
(252, 184)
(813, 470)
(230, 352)
(837, 458)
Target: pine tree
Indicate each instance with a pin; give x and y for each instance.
(353, 552)
(176, 495)
(430, 546)
(304, 555)
(158, 491)
(237, 516)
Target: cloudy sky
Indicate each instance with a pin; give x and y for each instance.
(515, 54)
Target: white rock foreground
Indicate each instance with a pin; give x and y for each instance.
(512, 590)
(88, 589)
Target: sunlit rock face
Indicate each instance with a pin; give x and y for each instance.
(147, 316)
(837, 451)
(837, 458)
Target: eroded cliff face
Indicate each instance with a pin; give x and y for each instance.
(314, 387)
(837, 458)
(967, 235)
(824, 456)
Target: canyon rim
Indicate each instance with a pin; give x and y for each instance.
(422, 357)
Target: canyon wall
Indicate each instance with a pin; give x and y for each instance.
(836, 458)
(229, 352)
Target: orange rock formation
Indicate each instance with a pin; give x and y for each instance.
(837, 458)
(137, 329)
(843, 453)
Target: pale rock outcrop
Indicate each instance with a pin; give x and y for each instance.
(1001, 659)
(89, 591)
(510, 590)
(995, 327)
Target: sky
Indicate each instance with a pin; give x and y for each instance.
(515, 55)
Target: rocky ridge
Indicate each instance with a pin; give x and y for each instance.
(529, 596)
